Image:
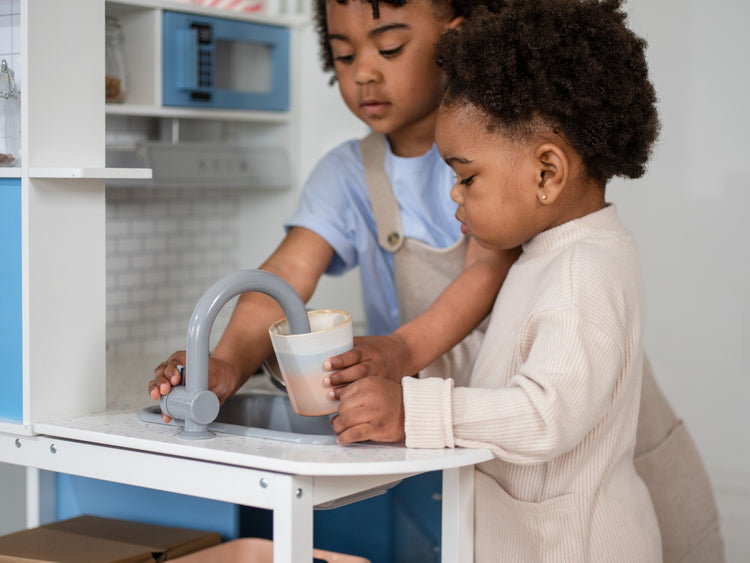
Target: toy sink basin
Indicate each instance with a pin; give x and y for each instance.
(260, 414)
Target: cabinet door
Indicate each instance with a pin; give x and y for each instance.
(11, 343)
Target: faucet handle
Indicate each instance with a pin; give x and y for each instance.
(201, 407)
(205, 407)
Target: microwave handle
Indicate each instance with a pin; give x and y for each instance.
(186, 64)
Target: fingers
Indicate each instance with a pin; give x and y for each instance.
(334, 393)
(166, 376)
(359, 425)
(370, 409)
(348, 358)
(346, 375)
(359, 433)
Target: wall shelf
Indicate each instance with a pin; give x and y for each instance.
(10, 172)
(145, 110)
(92, 173)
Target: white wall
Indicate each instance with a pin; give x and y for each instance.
(689, 217)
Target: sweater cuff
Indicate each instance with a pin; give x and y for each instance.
(428, 420)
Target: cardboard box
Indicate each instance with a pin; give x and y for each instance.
(257, 550)
(91, 539)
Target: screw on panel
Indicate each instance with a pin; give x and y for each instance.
(18, 442)
(53, 448)
(263, 482)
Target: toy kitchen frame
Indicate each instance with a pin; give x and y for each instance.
(288, 479)
(57, 421)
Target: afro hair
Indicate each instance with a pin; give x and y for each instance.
(459, 7)
(573, 64)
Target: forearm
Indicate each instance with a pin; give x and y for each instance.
(457, 310)
(300, 260)
(245, 342)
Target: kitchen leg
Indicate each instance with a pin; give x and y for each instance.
(458, 514)
(293, 520)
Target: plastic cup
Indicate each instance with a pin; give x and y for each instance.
(301, 358)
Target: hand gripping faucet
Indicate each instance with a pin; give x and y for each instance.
(192, 401)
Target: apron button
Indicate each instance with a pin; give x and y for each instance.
(393, 239)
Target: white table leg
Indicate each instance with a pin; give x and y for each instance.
(293, 520)
(458, 515)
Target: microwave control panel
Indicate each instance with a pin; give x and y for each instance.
(205, 62)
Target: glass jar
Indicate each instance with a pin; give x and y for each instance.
(116, 86)
(10, 117)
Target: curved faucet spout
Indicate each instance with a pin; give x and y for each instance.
(194, 403)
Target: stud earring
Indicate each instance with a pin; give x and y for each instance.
(543, 197)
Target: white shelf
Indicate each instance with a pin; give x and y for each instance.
(13, 427)
(141, 21)
(92, 173)
(10, 172)
(189, 113)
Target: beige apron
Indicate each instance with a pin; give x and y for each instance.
(665, 456)
(421, 272)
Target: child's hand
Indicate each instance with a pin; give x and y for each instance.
(222, 378)
(379, 356)
(371, 409)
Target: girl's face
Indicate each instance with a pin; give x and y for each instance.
(386, 70)
(497, 180)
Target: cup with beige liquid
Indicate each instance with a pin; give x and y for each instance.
(301, 358)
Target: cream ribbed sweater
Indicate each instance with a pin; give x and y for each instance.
(554, 392)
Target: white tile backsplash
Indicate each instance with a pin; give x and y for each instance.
(165, 247)
(6, 36)
(10, 36)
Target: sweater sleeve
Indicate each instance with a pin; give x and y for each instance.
(427, 412)
(555, 398)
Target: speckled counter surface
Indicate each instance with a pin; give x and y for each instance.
(120, 427)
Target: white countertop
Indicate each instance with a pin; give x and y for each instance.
(289, 479)
(119, 427)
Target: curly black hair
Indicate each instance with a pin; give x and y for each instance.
(459, 7)
(573, 64)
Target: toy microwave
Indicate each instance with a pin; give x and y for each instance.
(214, 62)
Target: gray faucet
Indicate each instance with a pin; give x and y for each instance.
(192, 401)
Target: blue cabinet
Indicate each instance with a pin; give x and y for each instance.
(11, 343)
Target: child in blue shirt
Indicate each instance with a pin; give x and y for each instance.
(382, 54)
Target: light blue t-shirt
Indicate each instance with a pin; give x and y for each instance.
(334, 204)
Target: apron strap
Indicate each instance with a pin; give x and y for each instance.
(384, 204)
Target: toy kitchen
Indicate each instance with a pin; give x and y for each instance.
(99, 190)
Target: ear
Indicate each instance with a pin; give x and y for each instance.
(456, 23)
(552, 169)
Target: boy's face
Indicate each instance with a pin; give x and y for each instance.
(385, 67)
(496, 179)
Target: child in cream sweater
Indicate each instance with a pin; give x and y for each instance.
(546, 101)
